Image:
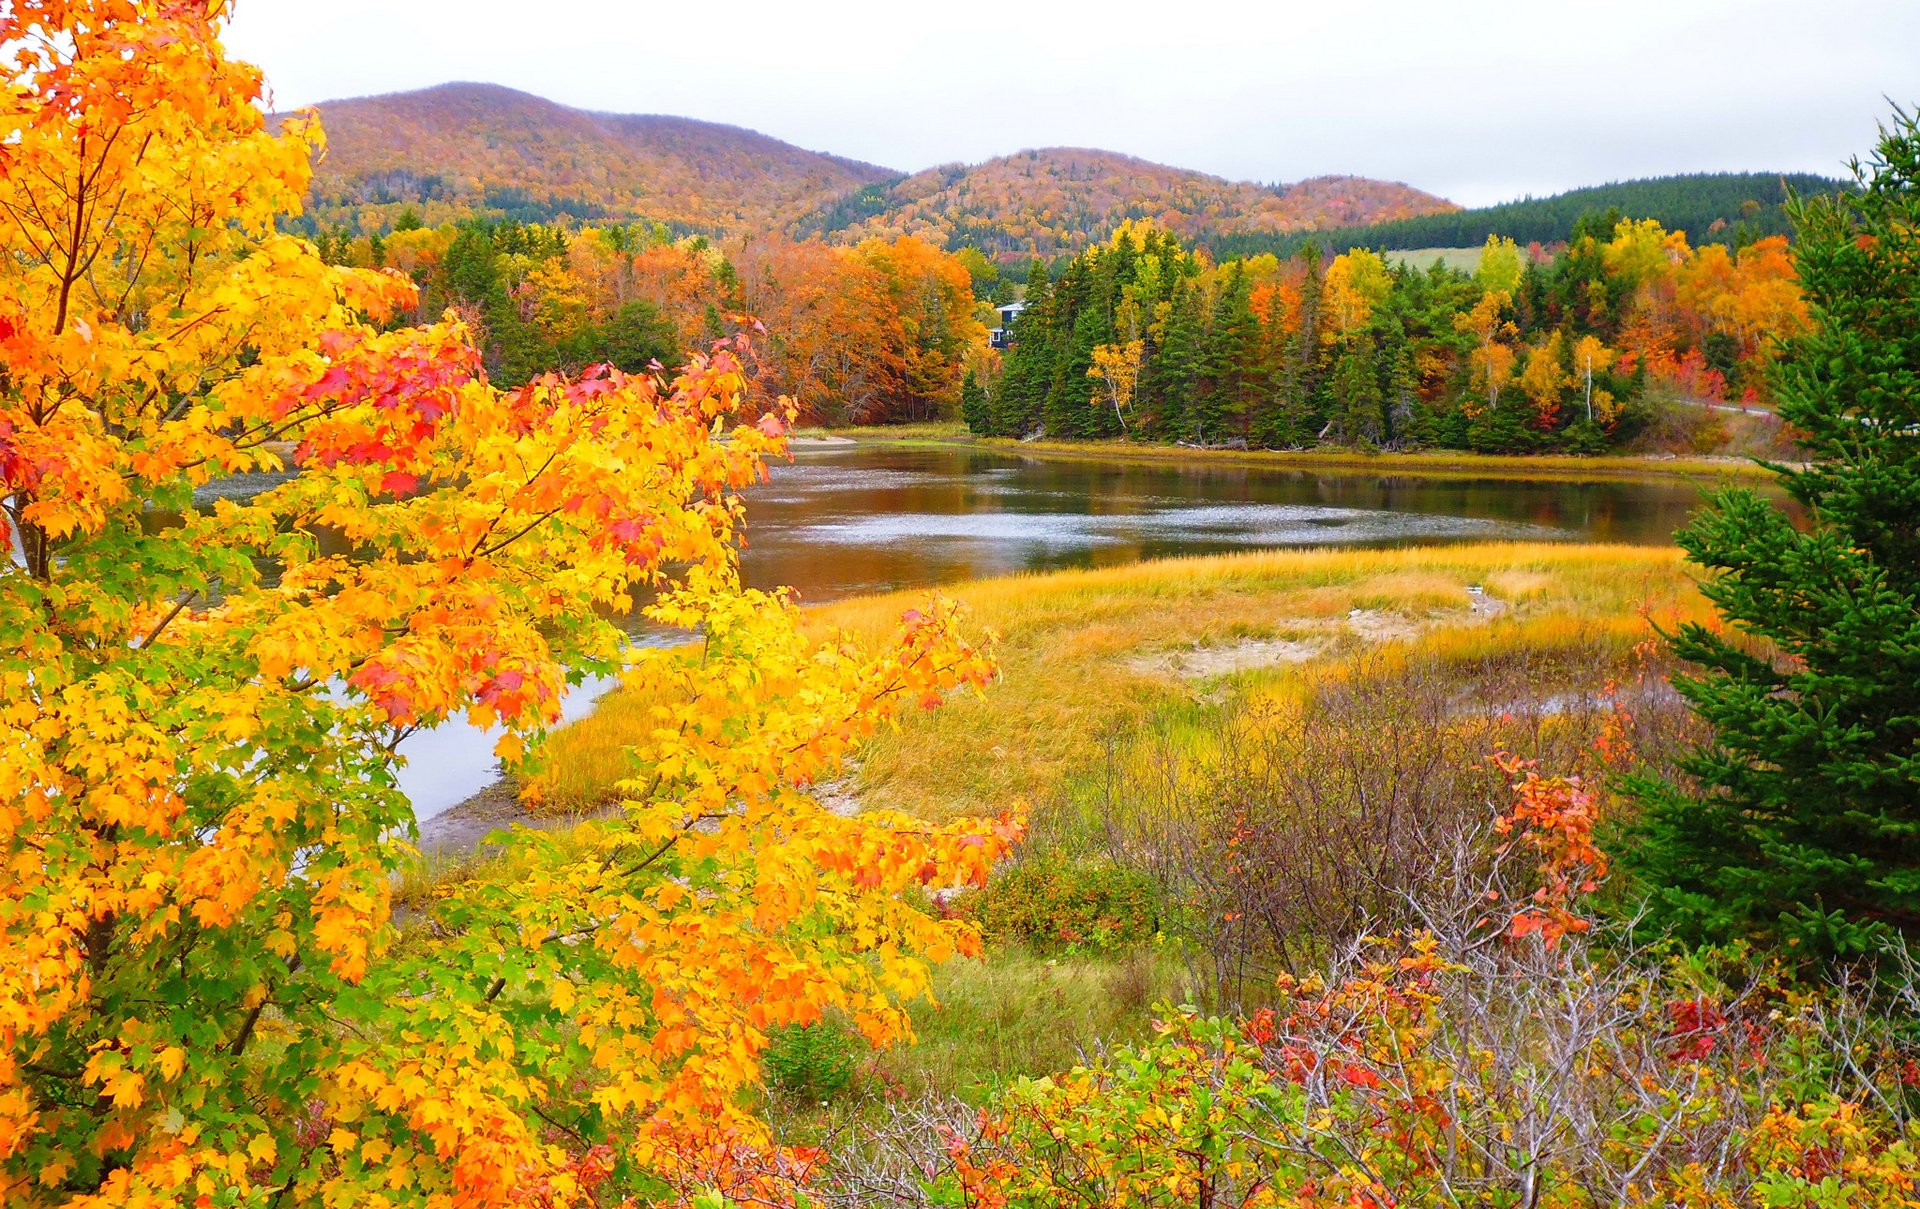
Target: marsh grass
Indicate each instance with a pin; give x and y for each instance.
(1450, 463)
(1071, 648)
(1083, 712)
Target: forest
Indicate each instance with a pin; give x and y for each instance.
(1533, 874)
(1716, 207)
(872, 333)
(1630, 329)
(1628, 339)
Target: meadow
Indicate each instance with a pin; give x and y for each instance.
(1109, 677)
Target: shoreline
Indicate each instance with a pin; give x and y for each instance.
(1426, 464)
(461, 830)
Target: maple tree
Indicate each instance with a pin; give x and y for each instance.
(1117, 368)
(204, 996)
(1491, 357)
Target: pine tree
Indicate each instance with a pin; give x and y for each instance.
(1015, 405)
(1357, 398)
(1170, 374)
(973, 405)
(1226, 361)
(1802, 818)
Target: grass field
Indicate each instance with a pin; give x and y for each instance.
(1460, 260)
(1087, 654)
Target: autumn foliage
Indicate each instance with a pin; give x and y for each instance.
(205, 996)
(1628, 336)
(1061, 200)
(1494, 1056)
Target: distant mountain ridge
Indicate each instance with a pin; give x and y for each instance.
(1057, 199)
(485, 147)
(464, 149)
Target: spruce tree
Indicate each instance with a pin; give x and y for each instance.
(1358, 401)
(973, 405)
(1800, 818)
(1226, 360)
(1015, 405)
(1170, 374)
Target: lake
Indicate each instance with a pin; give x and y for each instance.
(846, 520)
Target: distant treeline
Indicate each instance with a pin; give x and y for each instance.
(1630, 332)
(1710, 207)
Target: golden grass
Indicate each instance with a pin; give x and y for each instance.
(1434, 463)
(1446, 463)
(927, 430)
(1076, 648)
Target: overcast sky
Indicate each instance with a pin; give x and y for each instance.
(1476, 100)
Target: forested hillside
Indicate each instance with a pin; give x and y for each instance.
(461, 151)
(1059, 200)
(466, 150)
(1707, 206)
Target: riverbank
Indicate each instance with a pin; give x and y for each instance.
(1424, 463)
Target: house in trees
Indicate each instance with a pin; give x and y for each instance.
(1002, 336)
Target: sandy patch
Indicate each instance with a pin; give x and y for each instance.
(1378, 625)
(1484, 606)
(1204, 662)
(837, 795)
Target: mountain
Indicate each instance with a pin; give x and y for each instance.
(1059, 199)
(1708, 206)
(461, 149)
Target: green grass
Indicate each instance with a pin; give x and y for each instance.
(1015, 1013)
(1430, 463)
(1460, 260)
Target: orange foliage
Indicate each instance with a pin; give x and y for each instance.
(205, 997)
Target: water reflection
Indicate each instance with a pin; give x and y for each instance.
(847, 520)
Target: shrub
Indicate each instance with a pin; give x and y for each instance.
(813, 1062)
(1300, 823)
(1089, 906)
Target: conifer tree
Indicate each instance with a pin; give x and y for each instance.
(1015, 405)
(1357, 398)
(1801, 817)
(1170, 375)
(1226, 360)
(973, 405)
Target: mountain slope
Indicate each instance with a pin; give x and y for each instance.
(1707, 206)
(466, 148)
(1058, 199)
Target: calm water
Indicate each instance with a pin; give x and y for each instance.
(842, 521)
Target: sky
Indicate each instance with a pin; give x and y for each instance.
(1476, 100)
